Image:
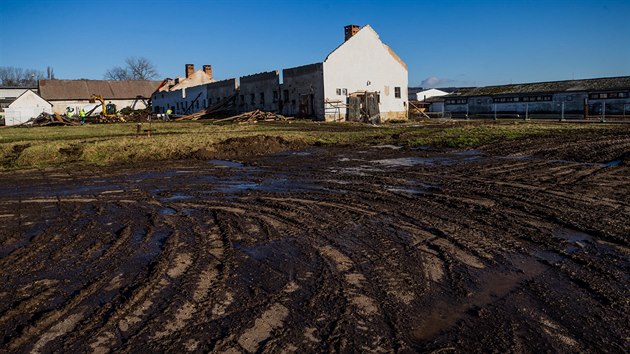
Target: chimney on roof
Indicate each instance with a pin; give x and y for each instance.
(350, 30)
(208, 70)
(190, 69)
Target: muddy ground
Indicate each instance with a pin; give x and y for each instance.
(520, 246)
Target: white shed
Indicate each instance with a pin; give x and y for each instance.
(28, 105)
(423, 95)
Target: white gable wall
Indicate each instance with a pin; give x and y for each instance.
(28, 105)
(364, 63)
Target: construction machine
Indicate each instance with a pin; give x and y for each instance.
(109, 109)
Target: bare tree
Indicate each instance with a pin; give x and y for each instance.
(17, 77)
(136, 69)
(141, 68)
(117, 73)
(50, 73)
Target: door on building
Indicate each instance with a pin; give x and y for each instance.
(363, 107)
(306, 106)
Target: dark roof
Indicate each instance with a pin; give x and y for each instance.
(83, 89)
(599, 84)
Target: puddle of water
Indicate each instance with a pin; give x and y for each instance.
(387, 146)
(168, 211)
(359, 171)
(492, 285)
(138, 177)
(422, 148)
(516, 157)
(408, 161)
(188, 211)
(612, 163)
(571, 235)
(226, 163)
(232, 187)
(548, 256)
(176, 196)
(404, 190)
(576, 239)
(138, 235)
(278, 185)
(418, 188)
(467, 153)
(269, 250)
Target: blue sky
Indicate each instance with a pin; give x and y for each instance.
(444, 43)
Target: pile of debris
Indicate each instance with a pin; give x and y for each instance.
(254, 116)
(45, 119)
(225, 106)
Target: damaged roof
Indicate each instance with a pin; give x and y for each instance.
(83, 89)
(599, 84)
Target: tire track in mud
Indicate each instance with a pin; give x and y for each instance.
(403, 258)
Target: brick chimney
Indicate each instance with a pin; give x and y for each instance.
(350, 30)
(190, 69)
(208, 70)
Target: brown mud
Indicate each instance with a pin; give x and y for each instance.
(521, 246)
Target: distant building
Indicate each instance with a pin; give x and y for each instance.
(10, 94)
(573, 98)
(361, 79)
(28, 105)
(76, 93)
(423, 95)
(184, 95)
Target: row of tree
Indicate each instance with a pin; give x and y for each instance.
(17, 77)
(134, 69)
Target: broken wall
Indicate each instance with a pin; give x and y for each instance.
(259, 91)
(302, 91)
(221, 90)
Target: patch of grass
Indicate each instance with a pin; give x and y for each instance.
(117, 143)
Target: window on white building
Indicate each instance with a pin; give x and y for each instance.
(397, 92)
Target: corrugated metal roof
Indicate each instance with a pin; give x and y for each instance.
(83, 89)
(600, 84)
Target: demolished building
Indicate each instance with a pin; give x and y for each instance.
(75, 94)
(362, 79)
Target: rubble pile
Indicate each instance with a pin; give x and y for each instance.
(254, 116)
(218, 109)
(45, 119)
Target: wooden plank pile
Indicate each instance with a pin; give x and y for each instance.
(222, 107)
(253, 117)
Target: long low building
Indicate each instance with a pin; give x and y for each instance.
(609, 96)
(75, 94)
(362, 79)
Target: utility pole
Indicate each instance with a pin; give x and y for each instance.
(495, 111)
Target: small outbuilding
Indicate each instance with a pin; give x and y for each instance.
(28, 105)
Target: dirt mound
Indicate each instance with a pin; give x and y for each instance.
(15, 153)
(249, 146)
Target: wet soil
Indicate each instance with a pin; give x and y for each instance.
(521, 246)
